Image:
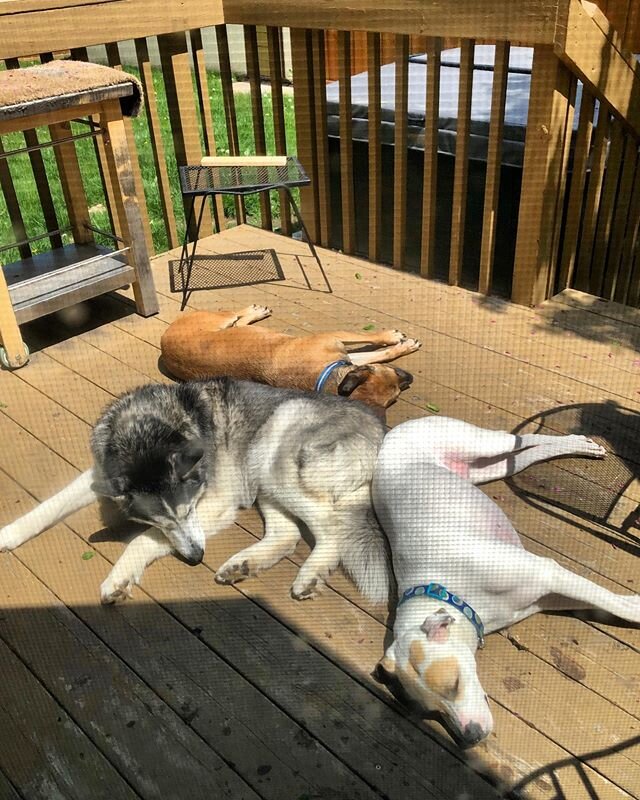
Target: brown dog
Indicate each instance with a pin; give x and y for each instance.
(207, 344)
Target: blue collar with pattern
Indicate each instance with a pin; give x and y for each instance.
(324, 375)
(437, 591)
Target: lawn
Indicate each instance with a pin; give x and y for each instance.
(28, 197)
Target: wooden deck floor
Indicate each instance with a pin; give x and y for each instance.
(193, 690)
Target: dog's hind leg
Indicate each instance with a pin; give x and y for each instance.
(581, 593)
(142, 550)
(72, 498)
(281, 535)
(324, 558)
(539, 448)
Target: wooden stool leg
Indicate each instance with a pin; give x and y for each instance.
(127, 208)
(71, 179)
(9, 330)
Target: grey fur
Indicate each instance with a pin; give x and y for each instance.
(159, 449)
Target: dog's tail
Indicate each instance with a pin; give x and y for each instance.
(365, 556)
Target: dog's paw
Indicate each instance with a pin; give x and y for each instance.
(394, 336)
(254, 313)
(411, 345)
(114, 590)
(10, 538)
(306, 590)
(233, 571)
(586, 446)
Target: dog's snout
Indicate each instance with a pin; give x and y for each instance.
(405, 379)
(195, 556)
(472, 734)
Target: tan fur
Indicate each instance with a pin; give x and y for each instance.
(204, 344)
(442, 677)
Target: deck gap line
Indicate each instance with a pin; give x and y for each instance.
(167, 610)
(58, 704)
(139, 677)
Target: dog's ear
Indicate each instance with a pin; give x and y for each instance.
(115, 488)
(356, 377)
(437, 625)
(186, 458)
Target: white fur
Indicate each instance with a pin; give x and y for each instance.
(443, 529)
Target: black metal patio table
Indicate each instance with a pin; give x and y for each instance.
(238, 179)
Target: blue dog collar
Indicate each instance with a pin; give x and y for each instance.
(324, 375)
(438, 592)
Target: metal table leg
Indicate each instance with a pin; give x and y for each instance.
(190, 259)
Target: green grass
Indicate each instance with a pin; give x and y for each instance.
(25, 187)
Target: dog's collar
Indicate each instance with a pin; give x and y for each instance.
(324, 375)
(437, 591)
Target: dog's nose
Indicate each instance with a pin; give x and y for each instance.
(195, 556)
(472, 734)
(405, 378)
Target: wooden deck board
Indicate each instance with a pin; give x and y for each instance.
(229, 665)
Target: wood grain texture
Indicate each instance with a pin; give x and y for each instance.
(115, 61)
(97, 23)
(119, 161)
(374, 149)
(461, 175)
(430, 174)
(542, 179)
(274, 48)
(323, 187)
(257, 113)
(226, 78)
(400, 150)
(346, 144)
(576, 192)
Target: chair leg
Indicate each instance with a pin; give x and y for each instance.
(314, 252)
(15, 352)
(128, 210)
(186, 293)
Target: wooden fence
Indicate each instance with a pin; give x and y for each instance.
(579, 208)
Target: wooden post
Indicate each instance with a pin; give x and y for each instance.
(375, 151)
(155, 139)
(430, 175)
(128, 210)
(257, 113)
(113, 56)
(494, 166)
(279, 127)
(305, 125)
(400, 150)
(541, 179)
(71, 179)
(9, 330)
(346, 144)
(176, 70)
(461, 176)
(204, 106)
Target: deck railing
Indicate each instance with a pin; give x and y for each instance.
(579, 209)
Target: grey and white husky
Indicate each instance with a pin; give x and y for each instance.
(184, 458)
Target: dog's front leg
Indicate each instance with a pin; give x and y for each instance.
(142, 550)
(72, 498)
(281, 535)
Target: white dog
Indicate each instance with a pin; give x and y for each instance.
(461, 569)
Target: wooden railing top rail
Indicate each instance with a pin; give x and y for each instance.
(29, 27)
(530, 21)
